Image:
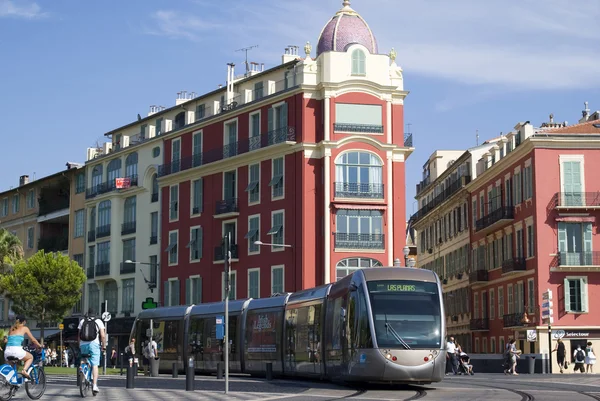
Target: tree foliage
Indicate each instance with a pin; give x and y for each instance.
(44, 287)
(11, 249)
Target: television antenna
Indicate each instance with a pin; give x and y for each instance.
(245, 49)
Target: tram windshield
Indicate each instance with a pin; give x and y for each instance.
(406, 314)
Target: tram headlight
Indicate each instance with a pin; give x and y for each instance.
(388, 356)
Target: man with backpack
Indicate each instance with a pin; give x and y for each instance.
(579, 356)
(92, 334)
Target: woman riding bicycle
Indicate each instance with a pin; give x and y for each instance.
(14, 348)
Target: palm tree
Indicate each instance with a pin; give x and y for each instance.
(10, 249)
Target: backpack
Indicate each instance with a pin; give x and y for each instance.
(580, 355)
(149, 351)
(89, 329)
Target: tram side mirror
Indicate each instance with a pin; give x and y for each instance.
(353, 287)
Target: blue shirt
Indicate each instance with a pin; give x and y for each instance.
(15, 340)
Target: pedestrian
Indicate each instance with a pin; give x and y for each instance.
(451, 356)
(130, 351)
(113, 357)
(560, 354)
(511, 354)
(590, 358)
(579, 356)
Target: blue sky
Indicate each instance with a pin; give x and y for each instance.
(73, 70)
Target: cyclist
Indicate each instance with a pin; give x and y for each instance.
(14, 348)
(90, 344)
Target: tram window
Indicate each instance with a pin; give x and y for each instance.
(364, 331)
(196, 336)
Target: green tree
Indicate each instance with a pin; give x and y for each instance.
(44, 287)
(11, 250)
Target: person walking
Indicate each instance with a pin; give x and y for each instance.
(560, 354)
(590, 358)
(451, 356)
(113, 357)
(579, 356)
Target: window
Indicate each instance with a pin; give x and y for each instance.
(517, 188)
(174, 203)
(484, 347)
(362, 118)
(128, 295)
(96, 177)
(492, 305)
(476, 305)
(78, 259)
(131, 165)
(30, 236)
(153, 228)
(156, 151)
(197, 149)
(179, 120)
(347, 266)
(129, 250)
(277, 179)
(530, 242)
(158, 126)
(4, 208)
(277, 123)
(195, 244)
(531, 302)
(230, 139)
(200, 112)
(113, 171)
(197, 196)
(104, 214)
(254, 134)
(474, 212)
(253, 234)
(508, 198)
(493, 345)
(232, 285)
(154, 188)
(254, 283)
(527, 183)
(230, 189)
(94, 297)
(358, 62)
(358, 175)
(519, 250)
(575, 244)
(91, 258)
(520, 297)
(258, 90)
(509, 299)
(16, 203)
(576, 298)
(500, 302)
(79, 223)
(359, 229)
(193, 290)
(153, 269)
(571, 183)
(481, 206)
(277, 280)
(277, 230)
(80, 183)
(31, 199)
(172, 249)
(129, 216)
(253, 188)
(171, 292)
(175, 155)
(111, 294)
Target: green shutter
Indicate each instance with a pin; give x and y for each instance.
(562, 237)
(587, 244)
(270, 119)
(188, 291)
(167, 301)
(198, 290)
(584, 295)
(283, 122)
(567, 295)
(175, 294)
(199, 242)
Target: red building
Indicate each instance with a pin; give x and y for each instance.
(534, 210)
(306, 157)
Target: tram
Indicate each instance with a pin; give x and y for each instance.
(374, 325)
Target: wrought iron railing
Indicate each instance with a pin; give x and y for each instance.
(220, 252)
(127, 267)
(91, 236)
(579, 258)
(102, 269)
(443, 196)
(57, 243)
(481, 324)
(47, 206)
(367, 128)
(514, 265)
(359, 241)
(358, 190)
(108, 186)
(502, 213)
(128, 227)
(578, 199)
(515, 319)
(478, 276)
(90, 271)
(153, 239)
(226, 206)
(103, 231)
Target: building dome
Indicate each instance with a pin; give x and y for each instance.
(346, 28)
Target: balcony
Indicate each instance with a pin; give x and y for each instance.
(154, 198)
(107, 187)
(482, 324)
(220, 253)
(128, 228)
(57, 243)
(90, 272)
(91, 235)
(423, 184)
(57, 203)
(196, 210)
(103, 231)
(478, 276)
(153, 239)
(578, 200)
(359, 241)
(358, 190)
(364, 128)
(227, 206)
(102, 269)
(514, 320)
(453, 188)
(579, 259)
(127, 268)
(277, 136)
(513, 265)
(495, 218)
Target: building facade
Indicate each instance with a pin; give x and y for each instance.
(306, 157)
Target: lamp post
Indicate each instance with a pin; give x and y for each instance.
(151, 284)
(406, 251)
(412, 262)
(260, 243)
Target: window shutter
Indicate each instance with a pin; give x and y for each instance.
(166, 296)
(284, 117)
(199, 242)
(270, 119)
(584, 295)
(175, 298)
(562, 239)
(198, 290)
(587, 241)
(188, 291)
(567, 295)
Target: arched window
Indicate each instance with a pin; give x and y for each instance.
(180, 120)
(104, 213)
(97, 176)
(131, 165)
(358, 62)
(350, 265)
(113, 171)
(111, 292)
(358, 175)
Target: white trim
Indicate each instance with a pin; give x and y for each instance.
(282, 267)
(237, 177)
(256, 269)
(326, 214)
(178, 248)
(259, 180)
(250, 122)
(234, 239)
(389, 213)
(584, 294)
(171, 203)
(178, 139)
(327, 120)
(571, 158)
(201, 179)
(278, 104)
(226, 123)
(190, 249)
(527, 163)
(275, 198)
(388, 120)
(258, 246)
(273, 213)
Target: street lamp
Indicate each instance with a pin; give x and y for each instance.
(406, 251)
(270, 244)
(412, 262)
(151, 283)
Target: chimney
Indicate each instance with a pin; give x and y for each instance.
(230, 77)
(23, 180)
(291, 53)
(585, 113)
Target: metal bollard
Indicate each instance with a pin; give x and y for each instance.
(78, 376)
(175, 372)
(129, 382)
(219, 371)
(269, 371)
(189, 375)
(122, 363)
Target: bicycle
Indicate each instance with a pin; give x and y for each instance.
(11, 380)
(85, 376)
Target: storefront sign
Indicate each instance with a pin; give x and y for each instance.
(531, 335)
(574, 334)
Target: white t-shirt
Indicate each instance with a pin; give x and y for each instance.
(153, 349)
(451, 347)
(101, 327)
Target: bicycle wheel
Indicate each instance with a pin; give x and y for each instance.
(36, 387)
(6, 391)
(84, 384)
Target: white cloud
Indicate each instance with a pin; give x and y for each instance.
(176, 24)
(20, 9)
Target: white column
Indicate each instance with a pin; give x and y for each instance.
(390, 213)
(326, 214)
(327, 119)
(389, 122)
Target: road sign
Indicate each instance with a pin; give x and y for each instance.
(547, 295)
(532, 335)
(61, 326)
(106, 316)
(547, 305)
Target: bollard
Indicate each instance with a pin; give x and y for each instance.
(219, 371)
(531, 360)
(122, 361)
(129, 382)
(175, 370)
(269, 371)
(78, 377)
(189, 375)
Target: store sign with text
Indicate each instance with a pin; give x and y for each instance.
(575, 334)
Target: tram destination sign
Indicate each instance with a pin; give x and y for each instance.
(402, 286)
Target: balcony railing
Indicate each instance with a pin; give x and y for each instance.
(106, 187)
(578, 199)
(54, 205)
(502, 213)
(481, 324)
(478, 276)
(579, 258)
(358, 190)
(423, 184)
(514, 265)
(54, 244)
(220, 252)
(91, 235)
(443, 196)
(280, 135)
(153, 239)
(90, 272)
(359, 241)
(127, 267)
(366, 128)
(102, 269)
(514, 320)
(103, 231)
(227, 206)
(154, 198)
(128, 228)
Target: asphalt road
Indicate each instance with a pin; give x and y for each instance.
(489, 387)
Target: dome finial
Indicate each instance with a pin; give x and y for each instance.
(346, 3)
